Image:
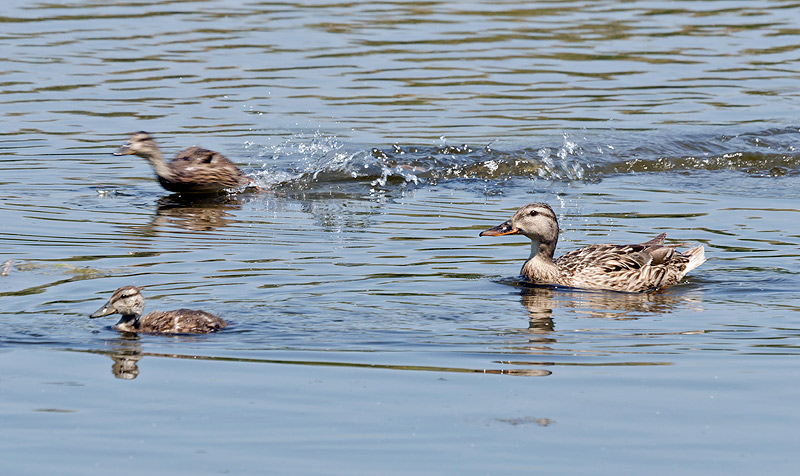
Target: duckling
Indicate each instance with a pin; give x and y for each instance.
(193, 170)
(643, 267)
(129, 302)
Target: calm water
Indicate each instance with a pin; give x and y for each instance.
(373, 331)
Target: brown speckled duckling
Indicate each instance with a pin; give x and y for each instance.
(643, 267)
(193, 170)
(129, 302)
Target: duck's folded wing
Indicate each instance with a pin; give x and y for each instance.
(605, 257)
(201, 168)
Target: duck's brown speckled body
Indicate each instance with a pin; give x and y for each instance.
(129, 302)
(643, 267)
(193, 170)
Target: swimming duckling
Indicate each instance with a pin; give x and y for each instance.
(643, 267)
(193, 170)
(129, 302)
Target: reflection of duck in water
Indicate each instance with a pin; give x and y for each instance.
(540, 304)
(129, 302)
(197, 215)
(192, 170)
(643, 267)
(126, 354)
(544, 303)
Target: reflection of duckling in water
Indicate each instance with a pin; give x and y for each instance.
(192, 170)
(644, 267)
(197, 215)
(126, 354)
(125, 367)
(129, 302)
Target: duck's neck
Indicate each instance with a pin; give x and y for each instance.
(157, 161)
(128, 323)
(540, 267)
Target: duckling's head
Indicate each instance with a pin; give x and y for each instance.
(141, 144)
(537, 221)
(127, 300)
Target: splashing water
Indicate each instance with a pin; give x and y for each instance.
(323, 158)
(305, 161)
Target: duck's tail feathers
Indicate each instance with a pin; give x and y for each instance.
(657, 241)
(696, 255)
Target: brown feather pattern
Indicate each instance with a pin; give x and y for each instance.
(179, 321)
(642, 267)
(193, 170)
(129, 302)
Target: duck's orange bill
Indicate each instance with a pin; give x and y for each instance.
(502, 229)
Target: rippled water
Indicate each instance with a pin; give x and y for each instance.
(372, 330)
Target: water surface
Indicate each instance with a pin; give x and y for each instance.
(372, 330)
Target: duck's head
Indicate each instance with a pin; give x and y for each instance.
(127, 300)
(536, 220)
(141, 144)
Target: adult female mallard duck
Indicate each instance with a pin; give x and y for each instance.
(129, 302)
(193, 170)
(644, 267)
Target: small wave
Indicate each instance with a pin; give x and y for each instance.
(773, 165)
(770, 152)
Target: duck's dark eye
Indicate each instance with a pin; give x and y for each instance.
(534, 213)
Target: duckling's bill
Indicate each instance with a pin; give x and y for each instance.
(124, 149)
(505, 228)
(105, 310)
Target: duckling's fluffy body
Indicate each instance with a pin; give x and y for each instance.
(129, 302)
(193, 170)
(643, 267)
